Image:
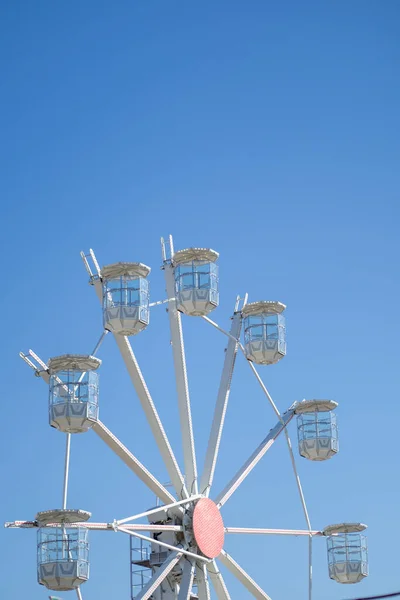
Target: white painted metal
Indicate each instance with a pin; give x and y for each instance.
(93, 526)
(66, 469)
(38, 360)
(99, 343)
(153, 418)
(257, 531)
(203, 587)
(163, 544)
(243, 577)
(305, 511)
(159, 576)
(264, 389)
(263, 306)
(119, 269)
(79, 593)
(182, 387)
(190, 254)
(344, 528)
(221, 406)
(307, 406)
(164, 508)
(146, 401)
(297, 477)
(62, 515)
(186, 584)
(132, 462)
(252, 461)
(229, 335)
(76, 362)
(218, 581)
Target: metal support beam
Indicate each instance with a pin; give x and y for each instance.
(221, 406)
(165, 508)
(163, 544)
(203, 587)
(218, 581)
(186, 584)
(94, 526)
(182, 386)
(143, 393)
(256, 531)
(252, 461)
(243, 577)
(133, 463)
(297, 477)
(159, 576)
(66, 469)
(151, 413)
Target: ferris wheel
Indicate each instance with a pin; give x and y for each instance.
(181, 544)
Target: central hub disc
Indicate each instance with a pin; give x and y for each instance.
(208, 528)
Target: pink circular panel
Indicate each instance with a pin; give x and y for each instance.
(208, 528)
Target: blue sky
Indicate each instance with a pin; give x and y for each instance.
(267, 131)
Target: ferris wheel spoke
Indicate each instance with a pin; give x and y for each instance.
(257, 531)
(218, 581)
(152, 416)
(297, 477)
(221, 404)
(178, 349)
(242, 576)
(203, 587)
(143, 393)
(160, 509)
(160, 543)
(187, 580)
(305, 510)
(257, 455)
(159, 576)
(132, 462)
(79, 593)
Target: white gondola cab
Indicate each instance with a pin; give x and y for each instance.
(317, 429)
(62, 550)
(264, 332)
(347, 552)
(196, 281)
(73, 392)
(125, 297)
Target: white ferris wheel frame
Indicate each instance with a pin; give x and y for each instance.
(187, 487)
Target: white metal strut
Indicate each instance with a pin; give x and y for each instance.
(218, 581)
(95, 526)
(133, 463)
(66, 469)
(182, 386)
(143, 393)
(186, 584)
(159, 576)
(257, 531)
(163, 508)
(221, 405)
(297, 477)
(203, 587)
(243, 577)
(252, 461)
(164, 544)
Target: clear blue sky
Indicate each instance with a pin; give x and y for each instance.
(268, 131)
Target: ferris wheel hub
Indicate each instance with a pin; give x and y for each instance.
(208, 528)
